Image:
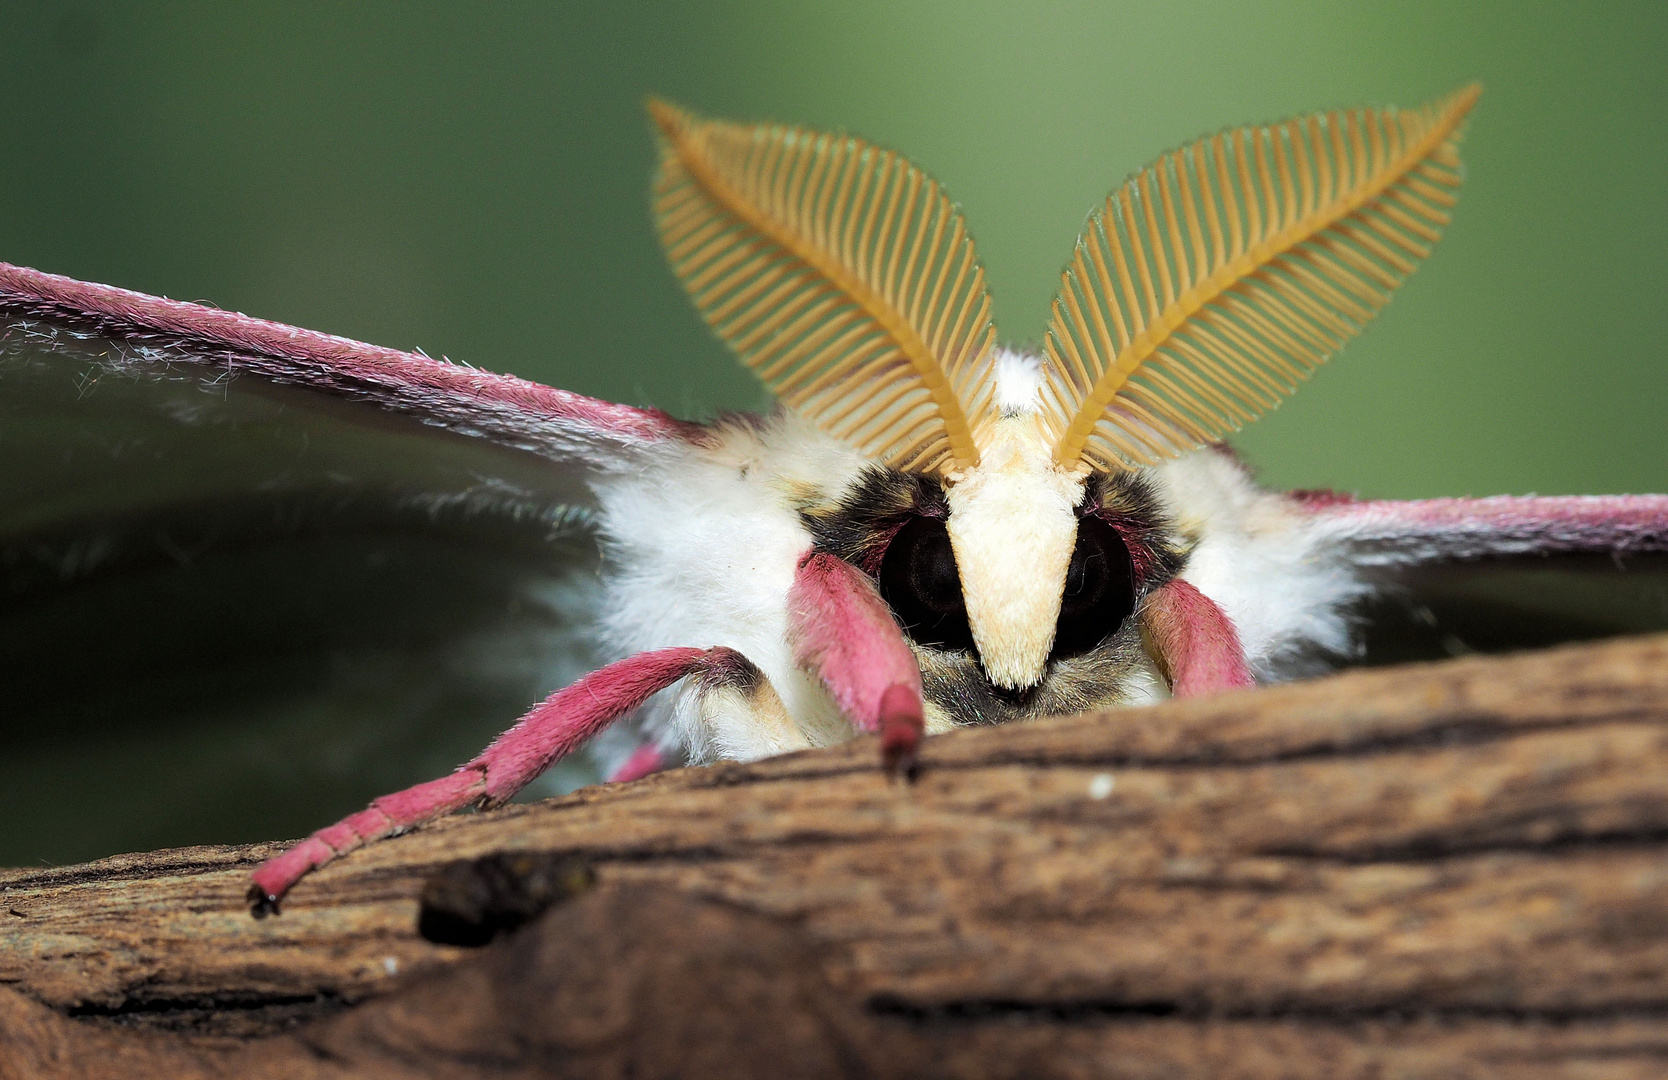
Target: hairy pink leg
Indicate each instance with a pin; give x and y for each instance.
(842, 630)
(1196, 640)
(643, 761)
(552, 729)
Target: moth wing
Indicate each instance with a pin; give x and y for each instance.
(263, 575)
(1455, 576)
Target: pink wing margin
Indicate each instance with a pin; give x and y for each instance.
(1390, 533)
(501, 408)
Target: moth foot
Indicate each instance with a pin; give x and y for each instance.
(261, 902)
(900, 764)
(901, 727)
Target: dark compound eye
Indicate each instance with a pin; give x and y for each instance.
(1100, 589)
(919, 582)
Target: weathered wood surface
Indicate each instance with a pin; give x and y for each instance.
(1449, 870)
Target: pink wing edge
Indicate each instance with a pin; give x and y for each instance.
(508, 409)
(1395, 532)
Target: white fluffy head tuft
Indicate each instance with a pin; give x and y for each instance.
(1019, 380)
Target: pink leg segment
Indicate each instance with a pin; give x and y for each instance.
(842, 631)
(1196, 640)
(643, 761)
(552, 729)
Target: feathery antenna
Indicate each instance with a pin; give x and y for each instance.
(840, 273)
(1212, 282)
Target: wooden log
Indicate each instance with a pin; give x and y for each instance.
(1441, 870)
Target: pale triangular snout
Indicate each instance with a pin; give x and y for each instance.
(1012, 525)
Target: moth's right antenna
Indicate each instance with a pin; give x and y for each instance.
(1215, 280)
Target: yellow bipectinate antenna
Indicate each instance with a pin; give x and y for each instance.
(1215, 280)
(840, 273)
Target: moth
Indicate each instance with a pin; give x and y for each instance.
(934, 529)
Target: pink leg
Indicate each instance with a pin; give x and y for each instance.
(552, 729)
(842, 630)
(1196, 641)
(643, 761)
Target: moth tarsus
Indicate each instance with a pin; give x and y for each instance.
(901, 728)
(933, 531)
(262, 903)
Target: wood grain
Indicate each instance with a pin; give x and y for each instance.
(1456, 869)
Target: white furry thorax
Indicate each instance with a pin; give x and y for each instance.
(700, 546)
(1281, 580)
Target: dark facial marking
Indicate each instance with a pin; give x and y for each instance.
(1126, 502)
(891, 526)
(920, 583)
(1100, 589)
(861, 526)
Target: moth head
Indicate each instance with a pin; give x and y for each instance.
(1199, 294)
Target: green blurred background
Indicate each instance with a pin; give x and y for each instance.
(471, 180)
